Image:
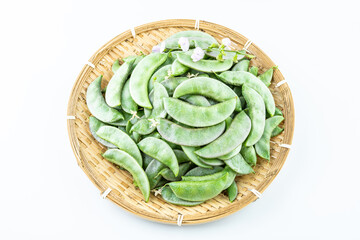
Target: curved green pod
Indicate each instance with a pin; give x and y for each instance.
(116, 65)
(126, 161)
(152, 172)
(243, 65)
(257, 114)
(171, 83)
(202, 39)
(232, 191)
(116, 84)
(159, 76)
(127, 103)
(238, 78)
(199, 190)
(141, 75)
(197, 100)
(207, 87)
(168, 195)
(239, 165)
(94, 125)
(249, 154)
(159, 93)
(254, 71)
(277, 130)
(232, 153)
(143, 127)
(161, 151)
(189, 151)
(137, 58)
(267, 76)
(207, 66)
(262, 147)
(121, 140)
(197, 116)
(199, 171)
(97, 105)
(232, 138)
(181, 156)
(178, 69)
(169, 175)
(179, 135)
(212, 161)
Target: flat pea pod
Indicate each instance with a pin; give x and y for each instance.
(168, 195)
(199, 171)
(214, 53)
(161, 151)
(266, 77)
(243, 65)
(232, 191)
(197, 116)
(178, 69)
(143, 127)
(277, 130)
(171, 83)
(189, 151)
(249, 154)
(212, 161)
(179, 135)
(127, 103)
(262, 147)
(181, 156)
(239, 78)
(126, 161)
(203, 40)
(136, 137)
(239, 165)
(232, 138)
(169, 175)
(159, 76)
(146, 160)
(121, 140)
(137, 58)
(207, 66)
(199, 190)
(94, 125)
(278, 112)
(152, 171)
(254, 71)
(256, 108)
(116, 65)
(232, 153)
(116, 84)
(141, 75)
(207, 87)
(197, 100)
(97, 105)
(158, 111)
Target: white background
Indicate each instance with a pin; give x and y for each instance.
(44, 45)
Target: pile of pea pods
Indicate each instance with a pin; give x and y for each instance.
(187, 118)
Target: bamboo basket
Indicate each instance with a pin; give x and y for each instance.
(107, 177)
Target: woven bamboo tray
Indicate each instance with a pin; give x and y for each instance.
(107, 176)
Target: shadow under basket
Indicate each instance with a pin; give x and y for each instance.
(107, 177)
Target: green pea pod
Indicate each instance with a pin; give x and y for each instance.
(228, 122)
(136, 137)
(121, 140)
(141, 75)
(181, 156)
(97, 105)
(189, 151)
(243, 65)
(127, 103)
(158, 111)
(277, 130)
(238, 78)
(254, 71)
(126, 161)
(169, 175)
(197, 100)
(94, 125)
(168, 195)
(199, 171)
(266, 77)
(171, 83)
(207, 66)
(231, 139)
(116, 84)
(232, 191)
(199, 190)
(197, 116)
(137, 58)
(256, 113)
(212, 161)
(178, 69)
(207, 87)
(202, 39)
(262, 147)
(143, 127)
(239, 165)
(146, 160)
(161, 151)
(152, 170)
(232, 153)
(179, 135)
(159, 76)
(249, 154)
(116, 65)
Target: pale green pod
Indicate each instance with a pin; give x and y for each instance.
(178, 69)
(203, 39)
(160, 75)
(94, 125)
(171, 83)
(168, 195)
(249, 154)
(232, 153)
(207, 66)
(189, 151)
(243, 65)
(127, 103)
(239, 165)
(232, 191)
(197, 100)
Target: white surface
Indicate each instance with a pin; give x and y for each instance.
(45, 195)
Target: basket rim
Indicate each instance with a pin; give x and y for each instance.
(102, 51)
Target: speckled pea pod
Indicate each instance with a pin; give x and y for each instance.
(168, 195)
(196, 100)
(266, 77)
(189, 151)
(243, 65)
(207, 87)
(249, 154)
(141, 75)
(126, 161)
(171, 83)
(179, 135)
(152, 170)
(160, 151)
(199, 190)
(232, 138)
(116, 84)
(256, 108)
(239, 165)
(197, 116)
(178, 69)
(94, 125)
(232, 191)
(238, 78)
(202, 39)
(121, 140)
(262, 147)
(207, 66)
(97, 105)
(199, 171)
(137, 58)
(169, 175)
(127, 103)
(212, 161)
(159, 76)
(232, 153)
(143, 127)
